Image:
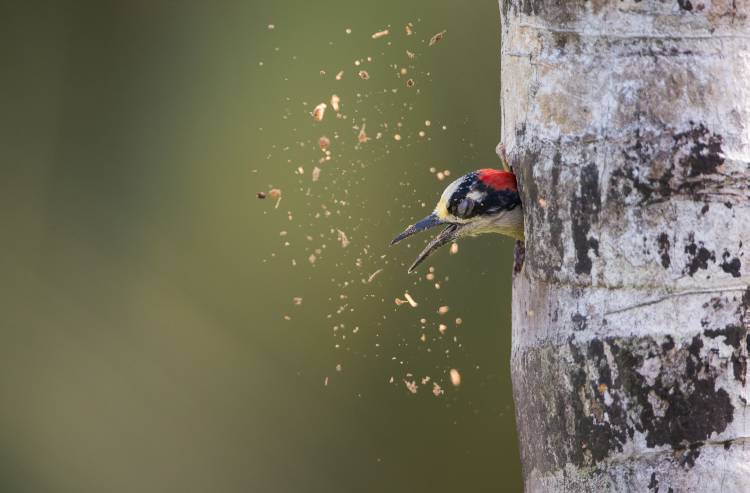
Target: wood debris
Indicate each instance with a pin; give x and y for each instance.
(411, 386)
(343, 239)
(455, 377)
(380, 34)
(411, 301)
(436, 390)
(324, 142)
(275, 193)
(437, 38)
(319, 112)
(374, 275)
(362, 137)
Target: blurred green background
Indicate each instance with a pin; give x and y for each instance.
(150, 337)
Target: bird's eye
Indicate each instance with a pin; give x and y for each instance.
(465, 207)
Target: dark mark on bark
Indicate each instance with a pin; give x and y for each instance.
(730, 266)
(579, 322)
(685, 5)
(690, 454)
(584, 209)
(698, 256)
(518, 257)
(663, 242)
(553, 212)
(657, 175)
(739, 367)
(562, 11)
(668, 344)
(654, 483)
(705, 154)
(613, 389)
(733, 334)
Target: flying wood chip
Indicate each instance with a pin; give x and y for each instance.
(437, 38)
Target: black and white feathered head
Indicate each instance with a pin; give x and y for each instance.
(483, 201)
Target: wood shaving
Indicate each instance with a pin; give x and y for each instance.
(362, 137)
(340, 75)
(324, 142)
(410, 54)
(335, 100)
(411, 301)
(437, 38)
(275, 193)
(261, 195)
(454, 248)
(319, 112)
(442, 328)
(297, 300)
(374, 275)
(443, 310)
(343, 239)
(315, 174)
(408, 30)
(411, 386)
(380, 34)
(363, 74)
(455, 377)
(436, 390)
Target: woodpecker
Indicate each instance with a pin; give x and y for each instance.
(483, 201)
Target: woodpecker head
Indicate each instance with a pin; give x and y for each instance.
(483, 201)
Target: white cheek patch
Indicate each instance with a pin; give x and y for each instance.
(476, 195)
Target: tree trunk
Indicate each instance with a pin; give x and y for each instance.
(627, 123)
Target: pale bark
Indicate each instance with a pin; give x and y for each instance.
(628, 125)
